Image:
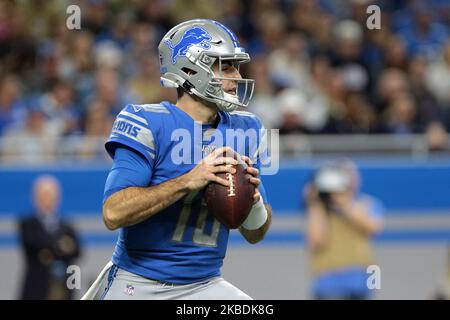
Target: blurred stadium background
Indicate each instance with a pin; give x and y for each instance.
(332, 87)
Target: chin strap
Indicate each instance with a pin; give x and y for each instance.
(229, 105)
(222, 105)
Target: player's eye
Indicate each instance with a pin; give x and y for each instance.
(230, 67)
(226, 67)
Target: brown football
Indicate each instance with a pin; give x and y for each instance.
(231, 205)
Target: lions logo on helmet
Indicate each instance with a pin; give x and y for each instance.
(193, 36)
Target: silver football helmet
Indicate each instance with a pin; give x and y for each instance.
(187, 53)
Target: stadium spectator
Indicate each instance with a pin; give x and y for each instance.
(303, 16)
(263, 101)
(395, 53)
(336, 93)
(143, 38)
(96, 17)
(108, 55)
(145, 84)
(34, 143)
(422, 32)
(436, 136)
(109, 90)
(320, 72)
(289, 63)
(271, 26)
(340, 223)
(78, 63)
(357, 116)
(49, 245)
(96, 124)
(322, 34)
(293, 112)
(59, 109)
(428, 109)
(347, 55)
(234, 17)
(297, 114)
(401, 115)
(437, 79)
(391, 83)
(11, 108)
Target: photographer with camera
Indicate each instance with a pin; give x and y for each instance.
(340, 224)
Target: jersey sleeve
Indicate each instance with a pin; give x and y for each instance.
(129, 169)
(133, 130)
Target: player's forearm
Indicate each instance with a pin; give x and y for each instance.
(255, 236)
(135, 204)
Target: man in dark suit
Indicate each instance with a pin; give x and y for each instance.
(49, 245)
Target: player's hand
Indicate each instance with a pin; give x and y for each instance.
(205, 171)
(254, 179)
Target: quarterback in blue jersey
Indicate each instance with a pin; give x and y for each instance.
(169, 245)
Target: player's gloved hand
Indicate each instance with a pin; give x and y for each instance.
(254, 179)
(205, 171)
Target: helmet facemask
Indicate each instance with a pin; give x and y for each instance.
(214, 91)
(244, 87)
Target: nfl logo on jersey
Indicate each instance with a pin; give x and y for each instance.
(129, 290)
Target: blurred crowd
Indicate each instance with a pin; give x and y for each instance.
(318, 68)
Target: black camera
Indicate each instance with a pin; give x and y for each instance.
(329, 180)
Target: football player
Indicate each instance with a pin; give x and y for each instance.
(170, 246)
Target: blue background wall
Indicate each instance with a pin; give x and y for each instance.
(400, 185)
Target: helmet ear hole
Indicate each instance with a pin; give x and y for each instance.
(188, 71)
(172, 35)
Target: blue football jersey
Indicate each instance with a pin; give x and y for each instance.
(183, 243)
